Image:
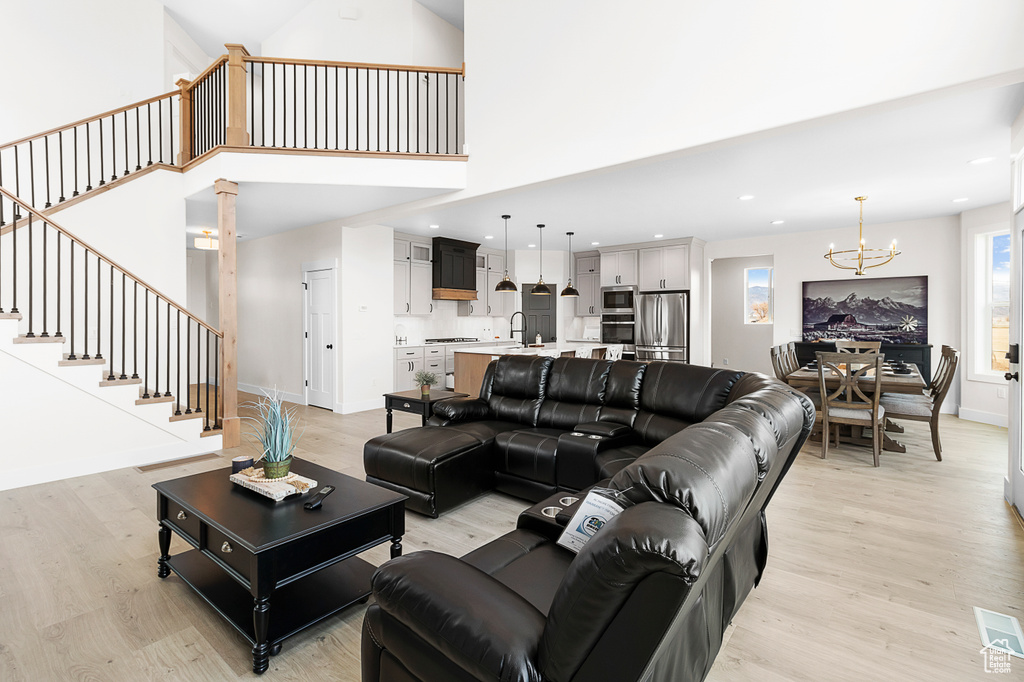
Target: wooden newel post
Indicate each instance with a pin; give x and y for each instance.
(185, 122)
(227, 192)
(236, 134)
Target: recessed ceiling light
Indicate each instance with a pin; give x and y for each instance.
(532, 245)
(490, 236)
(435, 227)
(960, 200)
(658, 236)
(746, 197)
(778, 222)
(984, 159)
(594, 243)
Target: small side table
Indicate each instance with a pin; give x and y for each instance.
(416, 403)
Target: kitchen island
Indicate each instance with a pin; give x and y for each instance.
(471, 363)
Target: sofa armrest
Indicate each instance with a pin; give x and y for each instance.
(576, 464)
(471, 618)
(461, 409)
(606, 429)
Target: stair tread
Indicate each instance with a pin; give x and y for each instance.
(214, 431)
(120, 382)
(39, 339)
(79, 362)
(183, 416)
(10, 316)
(150, 401)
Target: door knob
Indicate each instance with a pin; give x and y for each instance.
(1014, 377)
(330, 346)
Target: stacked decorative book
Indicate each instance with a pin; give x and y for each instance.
(276, 489)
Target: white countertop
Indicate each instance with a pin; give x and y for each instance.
(481, 342)
(562, 347)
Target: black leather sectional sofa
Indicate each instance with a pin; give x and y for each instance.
(697, 451)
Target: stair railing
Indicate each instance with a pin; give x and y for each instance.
(350, 106)
(62, 163)
(204, 109)
(60, 285)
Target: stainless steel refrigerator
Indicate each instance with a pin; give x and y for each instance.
(663, 326)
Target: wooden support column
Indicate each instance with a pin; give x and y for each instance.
(185, 121)
(227, 192)
(236, 135)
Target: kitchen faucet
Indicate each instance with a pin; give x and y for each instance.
(512, 330)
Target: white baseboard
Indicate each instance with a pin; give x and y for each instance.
(983, 417)
(297, 398)
(359, 406)
(118, 460)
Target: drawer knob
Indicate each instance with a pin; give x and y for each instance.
(405, 404)
(182, 516)
(227, 548)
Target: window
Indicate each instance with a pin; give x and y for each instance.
(992, 292)
(758, 293)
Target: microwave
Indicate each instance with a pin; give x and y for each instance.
(618, 299)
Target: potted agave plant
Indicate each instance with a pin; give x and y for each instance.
(273, 427)
(425, 379)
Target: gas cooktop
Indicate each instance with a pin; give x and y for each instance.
(452, 340)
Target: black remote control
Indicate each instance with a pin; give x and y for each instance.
(318, 499)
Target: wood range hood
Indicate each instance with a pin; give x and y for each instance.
(454, 272)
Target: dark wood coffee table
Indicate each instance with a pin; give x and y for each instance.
(249, 548)
(415, 402)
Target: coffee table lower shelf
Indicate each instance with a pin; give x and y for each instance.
(293, 607)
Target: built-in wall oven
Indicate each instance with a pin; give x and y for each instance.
(619, 328)
(618, 299)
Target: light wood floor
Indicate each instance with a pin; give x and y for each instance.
(872, 572)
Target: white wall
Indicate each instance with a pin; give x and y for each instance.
(182, 54)
(384, 32)
(203, 298)
(733, 342)
(270, 345)
(695, 72)
(930, 247)
(69, 60)
(982, 398)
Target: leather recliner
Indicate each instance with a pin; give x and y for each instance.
(648, 598)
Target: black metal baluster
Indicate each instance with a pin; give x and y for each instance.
(14, 255)
(207, 377)
(85, 304)
(327, 124)
(46, 167)
(447, 114)
(167, 392)
(199, 354)
(170, 130)
(125, 121)
(378, 108)
(17, 182)
(408, 139)
(88, 157)
(75, 193)
(337, 114)
(149, 132)
(111, 376)
(58, 334)
(71, 300)
(31, 308)
(458, 83)
(437, 113)
(32, 176)
(160, 132)
(44, 333)
(113, 148)
(273, 107)
(124, 323)
(60, 146)
(138, 140)
(295, 106)
(346, 106)
(216, 380)
(145, 347)
(156, 348)
(316, 97)
(357, 113)
(188, 366)
(2, 242)
(417, 112)
(102, 172)
(99, 312)
(387, 111)
(252, 102)
(135, 330)
(177, 401)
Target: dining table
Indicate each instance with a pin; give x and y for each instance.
(892, 382)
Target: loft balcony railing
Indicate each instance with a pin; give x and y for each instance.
(241, 101)
(65, 290)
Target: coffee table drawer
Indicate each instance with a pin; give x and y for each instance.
(227, 551)
(185, 521)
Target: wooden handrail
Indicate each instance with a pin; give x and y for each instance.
(49, 221)
(90, 119)
(206, 72)
(359, 65)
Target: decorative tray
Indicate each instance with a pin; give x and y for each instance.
(276, 489)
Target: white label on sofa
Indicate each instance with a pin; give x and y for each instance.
(594, 511)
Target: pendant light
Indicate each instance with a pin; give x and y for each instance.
(861, 258)
(506, 285)
(540, 288)
(570, 291)
(206, 243)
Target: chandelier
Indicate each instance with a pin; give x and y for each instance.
(861, 259)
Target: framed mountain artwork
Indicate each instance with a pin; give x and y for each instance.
(886, 309)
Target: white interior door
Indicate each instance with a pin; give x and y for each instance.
(1015, 475)
(320, 346)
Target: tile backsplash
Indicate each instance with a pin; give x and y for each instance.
(445, 322)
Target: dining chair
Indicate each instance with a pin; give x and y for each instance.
(843, 346)
(584, 352)
(613, 351)
(792, 363)
(848, 403)
(925, 408)
(778, 363)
